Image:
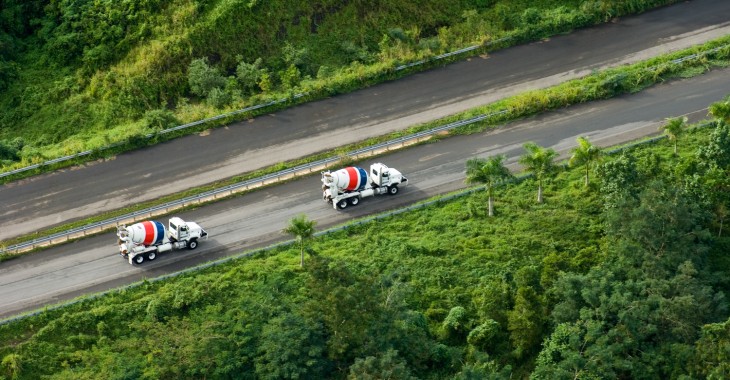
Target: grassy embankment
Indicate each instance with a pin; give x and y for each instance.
(622, 278)
(77, 76)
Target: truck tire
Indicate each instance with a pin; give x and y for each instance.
(342, 204)
(151, 255)
(192, 244)
(354, 201)
(139, 259)
(393, 190)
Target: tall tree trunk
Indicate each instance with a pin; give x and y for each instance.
(491, 206)
(301, 255)
(587, 175)
(539, 193)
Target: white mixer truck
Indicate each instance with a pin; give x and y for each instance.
(349, 185)
(143, 241)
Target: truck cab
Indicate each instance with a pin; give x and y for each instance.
(383, 176)
(181, 230)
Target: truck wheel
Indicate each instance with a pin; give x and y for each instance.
(151, 255)
(139, 259)
(393, 190)
(342, 204)
(354, 201)
(192, 244)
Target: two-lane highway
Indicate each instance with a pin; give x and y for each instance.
(56, 198)
(256, 219)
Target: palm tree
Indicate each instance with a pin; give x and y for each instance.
(303, 229)
(673, 129)
(540, 162)
(489, 172)
(585, 154)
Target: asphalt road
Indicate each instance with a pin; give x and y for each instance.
(256, 219)
(56, 198)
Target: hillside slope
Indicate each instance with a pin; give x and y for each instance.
(78, 75)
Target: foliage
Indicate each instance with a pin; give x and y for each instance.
(585, 154)
(619, 179)
(636, 315)
(540, 162)
(249, 74)
(203, 79)
(385, 366)
(673, 129)
(160, 119)
(721, 110)
(490, 172)
(717, 152)
(302, 229)
(291, 347)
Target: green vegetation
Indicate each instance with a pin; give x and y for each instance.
(540, 162)
(624, 278)
(81, 75)
(585, 154)
(302, 229)
(491, 172)
(673, 129)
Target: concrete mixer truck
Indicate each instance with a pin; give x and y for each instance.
(143, 241)
(349, 185)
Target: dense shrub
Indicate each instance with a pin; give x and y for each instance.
(203, 78)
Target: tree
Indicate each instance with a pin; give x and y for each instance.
(249, 74)
(490, 172)
(619, 180)
(585, 154)
(639, 313)
(11, 365)
(303, 229)
(159, 119)
(712, 358)
(203, 78)
(385, 366)
(674, 128)
(540, 162)
(716, 153)
(291, 347)
(526, 320)
(721, 111)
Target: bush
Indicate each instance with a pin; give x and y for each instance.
(9, 150)
(218, 98)
(8, 73)
(160, 119)
(290, 77)
(203, 79)
(325, 72)
(249, 74)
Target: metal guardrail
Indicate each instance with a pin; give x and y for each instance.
(238, 187)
